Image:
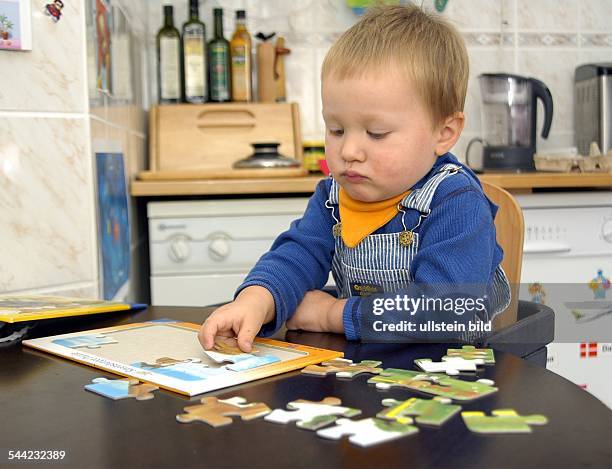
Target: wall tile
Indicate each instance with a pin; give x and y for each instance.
(548, 15)
(45, 203)
(508, 14)
(556, 70)
(51, 76)
(475, 14)
(547, 40)
(595, 15)
(596, 40)
(594, 55)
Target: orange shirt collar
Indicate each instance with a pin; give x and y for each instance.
(360, 219)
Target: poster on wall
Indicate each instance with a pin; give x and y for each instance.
(102, 21)
(15, 25)
(113, 226)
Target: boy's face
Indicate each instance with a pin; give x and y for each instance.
(379, 138)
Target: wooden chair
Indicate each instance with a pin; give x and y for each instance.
(510, 229)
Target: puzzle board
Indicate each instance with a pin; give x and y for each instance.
(16, 308)
(134, 349)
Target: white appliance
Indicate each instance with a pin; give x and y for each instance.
(201, 251)
(568, 239)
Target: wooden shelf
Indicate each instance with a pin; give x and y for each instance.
(512, 182)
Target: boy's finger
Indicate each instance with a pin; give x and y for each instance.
(211, 327)
(205, 334)
(247, 334)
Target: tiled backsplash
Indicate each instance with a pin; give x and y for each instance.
(545, 39)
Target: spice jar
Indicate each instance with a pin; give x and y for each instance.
(314, 151)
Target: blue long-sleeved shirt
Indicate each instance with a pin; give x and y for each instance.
(457, 245)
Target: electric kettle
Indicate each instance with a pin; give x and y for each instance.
(509, 108)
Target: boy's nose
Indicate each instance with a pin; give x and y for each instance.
(351, 151)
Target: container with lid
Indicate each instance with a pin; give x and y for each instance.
(314, 151)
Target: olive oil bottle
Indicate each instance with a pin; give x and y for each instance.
(240, 50)
(168, 60)
(195, 73)
(219, 62)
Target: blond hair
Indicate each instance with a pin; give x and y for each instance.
(423, 45)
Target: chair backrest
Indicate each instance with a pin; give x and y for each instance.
(510, 228)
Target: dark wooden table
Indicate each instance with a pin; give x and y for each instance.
(44, 407)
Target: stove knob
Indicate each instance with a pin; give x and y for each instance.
(219, 247)
(606, 231)
(179, 249)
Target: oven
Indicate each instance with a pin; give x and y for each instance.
(201, 250)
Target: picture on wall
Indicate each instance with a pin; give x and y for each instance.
(15, 25)
(113, 226)
(102, 21)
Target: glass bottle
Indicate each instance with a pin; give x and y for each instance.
(195, 83)
(168, 60)
(219, 62)
(240, 49)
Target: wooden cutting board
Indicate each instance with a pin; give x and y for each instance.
(213, 136)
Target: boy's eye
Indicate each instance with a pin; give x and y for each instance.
(378, 136)
(336, 133)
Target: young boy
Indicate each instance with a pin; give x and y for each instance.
(399, 210)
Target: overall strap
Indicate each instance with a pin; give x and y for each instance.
(420, 199)
(334, 193)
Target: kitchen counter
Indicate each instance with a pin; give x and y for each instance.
(519, 183)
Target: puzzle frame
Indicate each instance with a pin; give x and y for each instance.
(192, 372)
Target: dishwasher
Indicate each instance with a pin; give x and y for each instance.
(567, 264)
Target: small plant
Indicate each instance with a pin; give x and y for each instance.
(5, 27)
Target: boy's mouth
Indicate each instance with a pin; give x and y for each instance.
(353, 176)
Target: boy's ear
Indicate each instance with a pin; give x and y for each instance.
(449, 132)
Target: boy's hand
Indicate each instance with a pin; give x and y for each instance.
(318, 312)
(242, 318)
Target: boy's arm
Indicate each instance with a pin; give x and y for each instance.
(456, 248)
(298, 261)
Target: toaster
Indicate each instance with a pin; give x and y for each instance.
(593, 106)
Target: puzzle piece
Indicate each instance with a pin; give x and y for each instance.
(449, 365)
(122, 388)
(227, 352)
(343, 368)
(216, 412)
(312, 415)
(439, 385)
(502, 421)
(469, 352)
(367, 432)
(190, 369)
(89, 341)
(434, 411)
(163, 362)
(230, 347)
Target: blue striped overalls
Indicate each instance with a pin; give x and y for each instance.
(380, 263)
